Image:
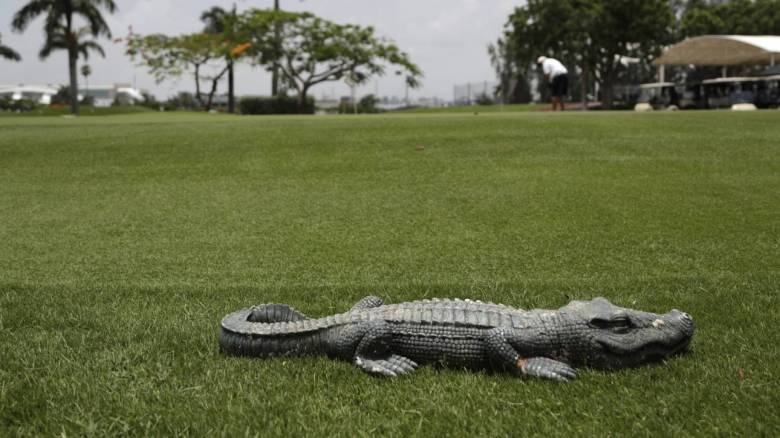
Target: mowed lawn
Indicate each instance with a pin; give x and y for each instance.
(125, 239)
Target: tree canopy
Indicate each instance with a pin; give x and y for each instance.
(308, 50)
(59, 39)
(735, 17)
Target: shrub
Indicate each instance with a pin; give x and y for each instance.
(181, 101)
(275, 105)
(366, 105)
(23, 105)
(484, 99)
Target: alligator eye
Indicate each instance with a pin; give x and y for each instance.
(618, 324)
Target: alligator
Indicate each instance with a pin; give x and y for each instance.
(393, 339)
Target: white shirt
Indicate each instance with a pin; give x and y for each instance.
(552, 68)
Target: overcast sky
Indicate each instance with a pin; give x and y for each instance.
(446, 38)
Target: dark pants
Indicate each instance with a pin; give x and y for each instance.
(560, 85)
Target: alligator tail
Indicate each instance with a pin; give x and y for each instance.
(270, 330)
(270, 313)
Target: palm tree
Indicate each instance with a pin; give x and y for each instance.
(8, 53)
(61, 32)
(86, 70)
(57, 39)
(217, 21)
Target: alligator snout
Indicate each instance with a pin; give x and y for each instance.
(683, 319)
(681, 326)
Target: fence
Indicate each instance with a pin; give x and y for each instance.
(467, 94)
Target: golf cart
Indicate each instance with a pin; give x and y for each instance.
(768, 92)
(658, 96)
(737, 93)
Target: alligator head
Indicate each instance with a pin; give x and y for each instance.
(608, 336)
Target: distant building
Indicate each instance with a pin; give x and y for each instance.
(106, 95)
(102, 95)
(40, 94)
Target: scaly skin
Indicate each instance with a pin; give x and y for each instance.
(393, 339)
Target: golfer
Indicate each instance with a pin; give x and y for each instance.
(557, 76)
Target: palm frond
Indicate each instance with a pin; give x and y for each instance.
(214, 19)
(109, 5)
(97, 24)
(9, 53)
(86, 46)
(31, 11)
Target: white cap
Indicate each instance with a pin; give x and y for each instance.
(541, 59)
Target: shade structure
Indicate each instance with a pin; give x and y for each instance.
(723, 50)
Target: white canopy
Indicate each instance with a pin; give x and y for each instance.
(723, 50)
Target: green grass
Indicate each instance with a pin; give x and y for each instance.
(125, 239)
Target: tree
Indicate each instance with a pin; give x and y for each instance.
(219, 21)
(593, 37)
(513, 78)
(8, 53)
(60, 29)
(311, 50)
(86, 70)
(167, 56)
(622, 29)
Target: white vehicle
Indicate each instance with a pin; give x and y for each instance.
(658, 96)
(736, 93)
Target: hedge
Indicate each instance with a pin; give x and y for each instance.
(275, 105)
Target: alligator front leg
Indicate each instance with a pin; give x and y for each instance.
(504, 355)
(372, 350)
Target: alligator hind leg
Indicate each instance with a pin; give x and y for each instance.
(367, 303)
(269, 313)
(505, 356)
(372, 353)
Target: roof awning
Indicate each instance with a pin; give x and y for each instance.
(723, 50)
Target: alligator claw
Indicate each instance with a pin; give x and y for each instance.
(390, 366)
(546, 368)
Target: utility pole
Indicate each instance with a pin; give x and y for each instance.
(275, 71)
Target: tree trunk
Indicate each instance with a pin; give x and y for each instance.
(607, 86)
(74, 86)
(73, 55)
(214, 84)
(302, 99)
(211, 94)
(231, 90)
(584, 87)
(197, 86)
